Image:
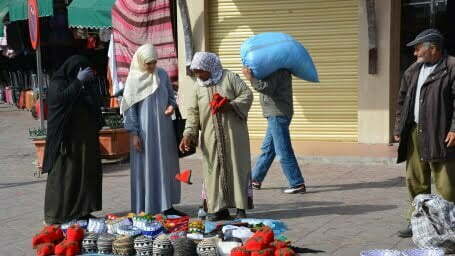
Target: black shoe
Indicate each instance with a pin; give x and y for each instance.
(256, 185)
(241, 214)
(87, 217)
(173, 211)
(405, 233)
(221, 215)
(297, 189)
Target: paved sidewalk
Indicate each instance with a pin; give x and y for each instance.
(348, 208)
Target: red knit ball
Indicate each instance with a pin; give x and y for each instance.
(284, 252)
(279, 244)
(75, 233)
(255, 243)
(265, 252)
(49, 234)
(267, 234)
(45, 249)
(67, 248)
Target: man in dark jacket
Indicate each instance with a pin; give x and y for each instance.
(277, 106)
(425, 121)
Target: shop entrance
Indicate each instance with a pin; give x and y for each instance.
(418, 15)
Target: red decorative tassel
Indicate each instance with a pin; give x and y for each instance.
(184, 176)
(217, 102)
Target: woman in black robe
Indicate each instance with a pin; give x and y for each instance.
(72, 155)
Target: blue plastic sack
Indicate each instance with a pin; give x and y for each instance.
(267, 52)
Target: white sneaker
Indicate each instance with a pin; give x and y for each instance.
(297, 189)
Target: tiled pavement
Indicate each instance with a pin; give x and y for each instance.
(348, 208)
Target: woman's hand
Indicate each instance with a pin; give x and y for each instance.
(137, 143)
(226, 108)
(186, 144)
(169, 110)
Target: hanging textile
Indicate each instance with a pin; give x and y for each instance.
(138, 22)
(116, 84)
(187, 34)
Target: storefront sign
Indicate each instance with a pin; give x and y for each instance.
(33, 22)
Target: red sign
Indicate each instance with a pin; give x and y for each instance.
(33, 22)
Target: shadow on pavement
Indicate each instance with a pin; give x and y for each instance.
(20, 184)
(307, 209)
(389, 183)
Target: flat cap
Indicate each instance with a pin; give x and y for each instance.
(428, 35)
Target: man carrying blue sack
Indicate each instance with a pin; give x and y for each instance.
(277, 106)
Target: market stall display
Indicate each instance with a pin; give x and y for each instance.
(160, 235)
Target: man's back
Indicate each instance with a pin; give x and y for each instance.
(276, 94)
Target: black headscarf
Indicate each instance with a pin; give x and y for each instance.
(65, 90)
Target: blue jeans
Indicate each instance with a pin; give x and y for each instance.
(277, 142)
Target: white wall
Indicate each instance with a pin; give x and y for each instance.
(198, 22)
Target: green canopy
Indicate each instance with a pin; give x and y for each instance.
(3, 12)
(18, 9)
(90, 13)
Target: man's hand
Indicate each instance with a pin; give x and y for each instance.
(397, 138)
(185, 144)
(450, 139)
(137, 143)
(247, 73)
(169, 110)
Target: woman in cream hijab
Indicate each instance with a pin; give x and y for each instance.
(147, 105)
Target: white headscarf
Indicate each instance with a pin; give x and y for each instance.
(209, 62)
(140, 83)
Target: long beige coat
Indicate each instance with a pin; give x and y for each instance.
(224, 142)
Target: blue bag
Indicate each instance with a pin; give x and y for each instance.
(267, 52)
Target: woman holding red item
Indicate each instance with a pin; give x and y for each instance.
(219, 109)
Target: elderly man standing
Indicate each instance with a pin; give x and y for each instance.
(425, 119)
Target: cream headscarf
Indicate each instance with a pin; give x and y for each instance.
(140, 83)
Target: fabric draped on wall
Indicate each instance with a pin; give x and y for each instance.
(137, 22)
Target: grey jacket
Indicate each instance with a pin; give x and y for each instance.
(275, 94)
